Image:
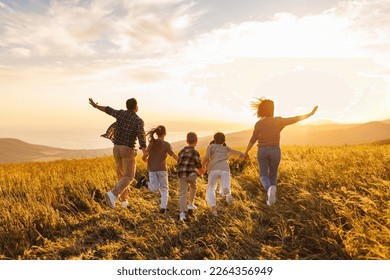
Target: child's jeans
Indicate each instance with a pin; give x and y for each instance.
(224, 189)
(159, 181)
(269, 159)
(183, 186)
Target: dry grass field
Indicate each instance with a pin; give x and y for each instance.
(333, 203)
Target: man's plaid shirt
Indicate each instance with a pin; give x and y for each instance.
(189, 160)
(127, 128)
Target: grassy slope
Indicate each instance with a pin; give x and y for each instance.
(332, 204)
(15, 151)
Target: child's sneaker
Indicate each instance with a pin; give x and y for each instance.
(142, 182)
(191, 208)
(163, 210)
(214, 211)
(182, 217)
(125, 204)
(110, 199)
(229, 199)
(271, 195)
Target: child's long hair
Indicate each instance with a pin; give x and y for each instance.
(159, 131)
(219, 138)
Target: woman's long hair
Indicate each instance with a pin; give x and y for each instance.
(264, 107)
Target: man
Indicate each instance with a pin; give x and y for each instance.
(123, 133)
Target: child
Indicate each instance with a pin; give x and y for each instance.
(216, 159)
(155, 156)
(188, 162)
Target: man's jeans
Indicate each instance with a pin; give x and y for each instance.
(125, 169)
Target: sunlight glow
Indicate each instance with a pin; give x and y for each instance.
(182, 64)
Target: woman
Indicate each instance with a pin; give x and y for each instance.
(267, 134)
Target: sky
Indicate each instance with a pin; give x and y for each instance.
(193, 65)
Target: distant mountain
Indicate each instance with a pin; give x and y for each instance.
(341, 134)
(382, 142)
(328, 134)
(386, 121)
(14, 151)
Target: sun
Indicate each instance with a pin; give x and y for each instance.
(298, 90)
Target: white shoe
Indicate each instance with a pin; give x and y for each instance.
(124, 204)
(229, 199)
(110, 198)
(182, 216)
(191, 206)
(271, 195)
(214, 211)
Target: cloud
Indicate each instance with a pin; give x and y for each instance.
(142, 44)
(20, 52)
(283, 36)
(91, 29)
(43, 34)
(95, 28)
(351, 30)
(149, 76)
(370, 22)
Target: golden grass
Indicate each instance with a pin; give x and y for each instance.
(333, 203)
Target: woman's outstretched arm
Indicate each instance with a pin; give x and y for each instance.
(295, 119)
(308, 115)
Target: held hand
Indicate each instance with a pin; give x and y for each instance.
(313, 111)
(145, 155)
(243, 156)
(201, 171)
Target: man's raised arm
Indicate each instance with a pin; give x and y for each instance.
(95, 105)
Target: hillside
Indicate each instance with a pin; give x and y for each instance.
(14, 150)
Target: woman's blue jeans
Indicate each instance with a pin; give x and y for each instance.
(269, 159)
